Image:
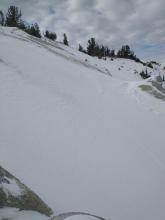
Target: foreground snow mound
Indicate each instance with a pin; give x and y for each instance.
(82, 139)
(15, 194)
(76, 216)
(82, 217)
(15, 214)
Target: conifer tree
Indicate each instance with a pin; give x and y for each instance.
(65, 40)
(125, 52)
(13, 16)
(91, 48)
(22, 25)
(80, 48)
(34, 30)
(50, 35)
(112, 53)
(2, 18)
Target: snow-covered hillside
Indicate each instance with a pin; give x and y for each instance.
(79, 131)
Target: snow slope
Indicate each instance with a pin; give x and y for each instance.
(79, 131)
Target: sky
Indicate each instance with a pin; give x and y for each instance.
(139, 23)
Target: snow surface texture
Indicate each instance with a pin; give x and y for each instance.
(79, 131)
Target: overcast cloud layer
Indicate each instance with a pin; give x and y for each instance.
(140, 23)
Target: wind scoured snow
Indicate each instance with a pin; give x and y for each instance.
(82, 139)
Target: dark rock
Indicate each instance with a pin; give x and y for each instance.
(27, 200)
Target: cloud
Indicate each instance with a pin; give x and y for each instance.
(140, 23)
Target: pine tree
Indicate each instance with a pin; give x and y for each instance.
(80, 48)
(107, 51)
(2, 18)
(13, 16)
(119, 54)
(92, 47)
(65, 40)
(112, 53)
(50, 35)
(22, 25)
(100, 51)
(34, 30)
(127, 51)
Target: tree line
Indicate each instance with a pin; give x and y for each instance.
(101, 51)
(13, 18)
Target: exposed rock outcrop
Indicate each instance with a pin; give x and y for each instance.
(15, 194)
